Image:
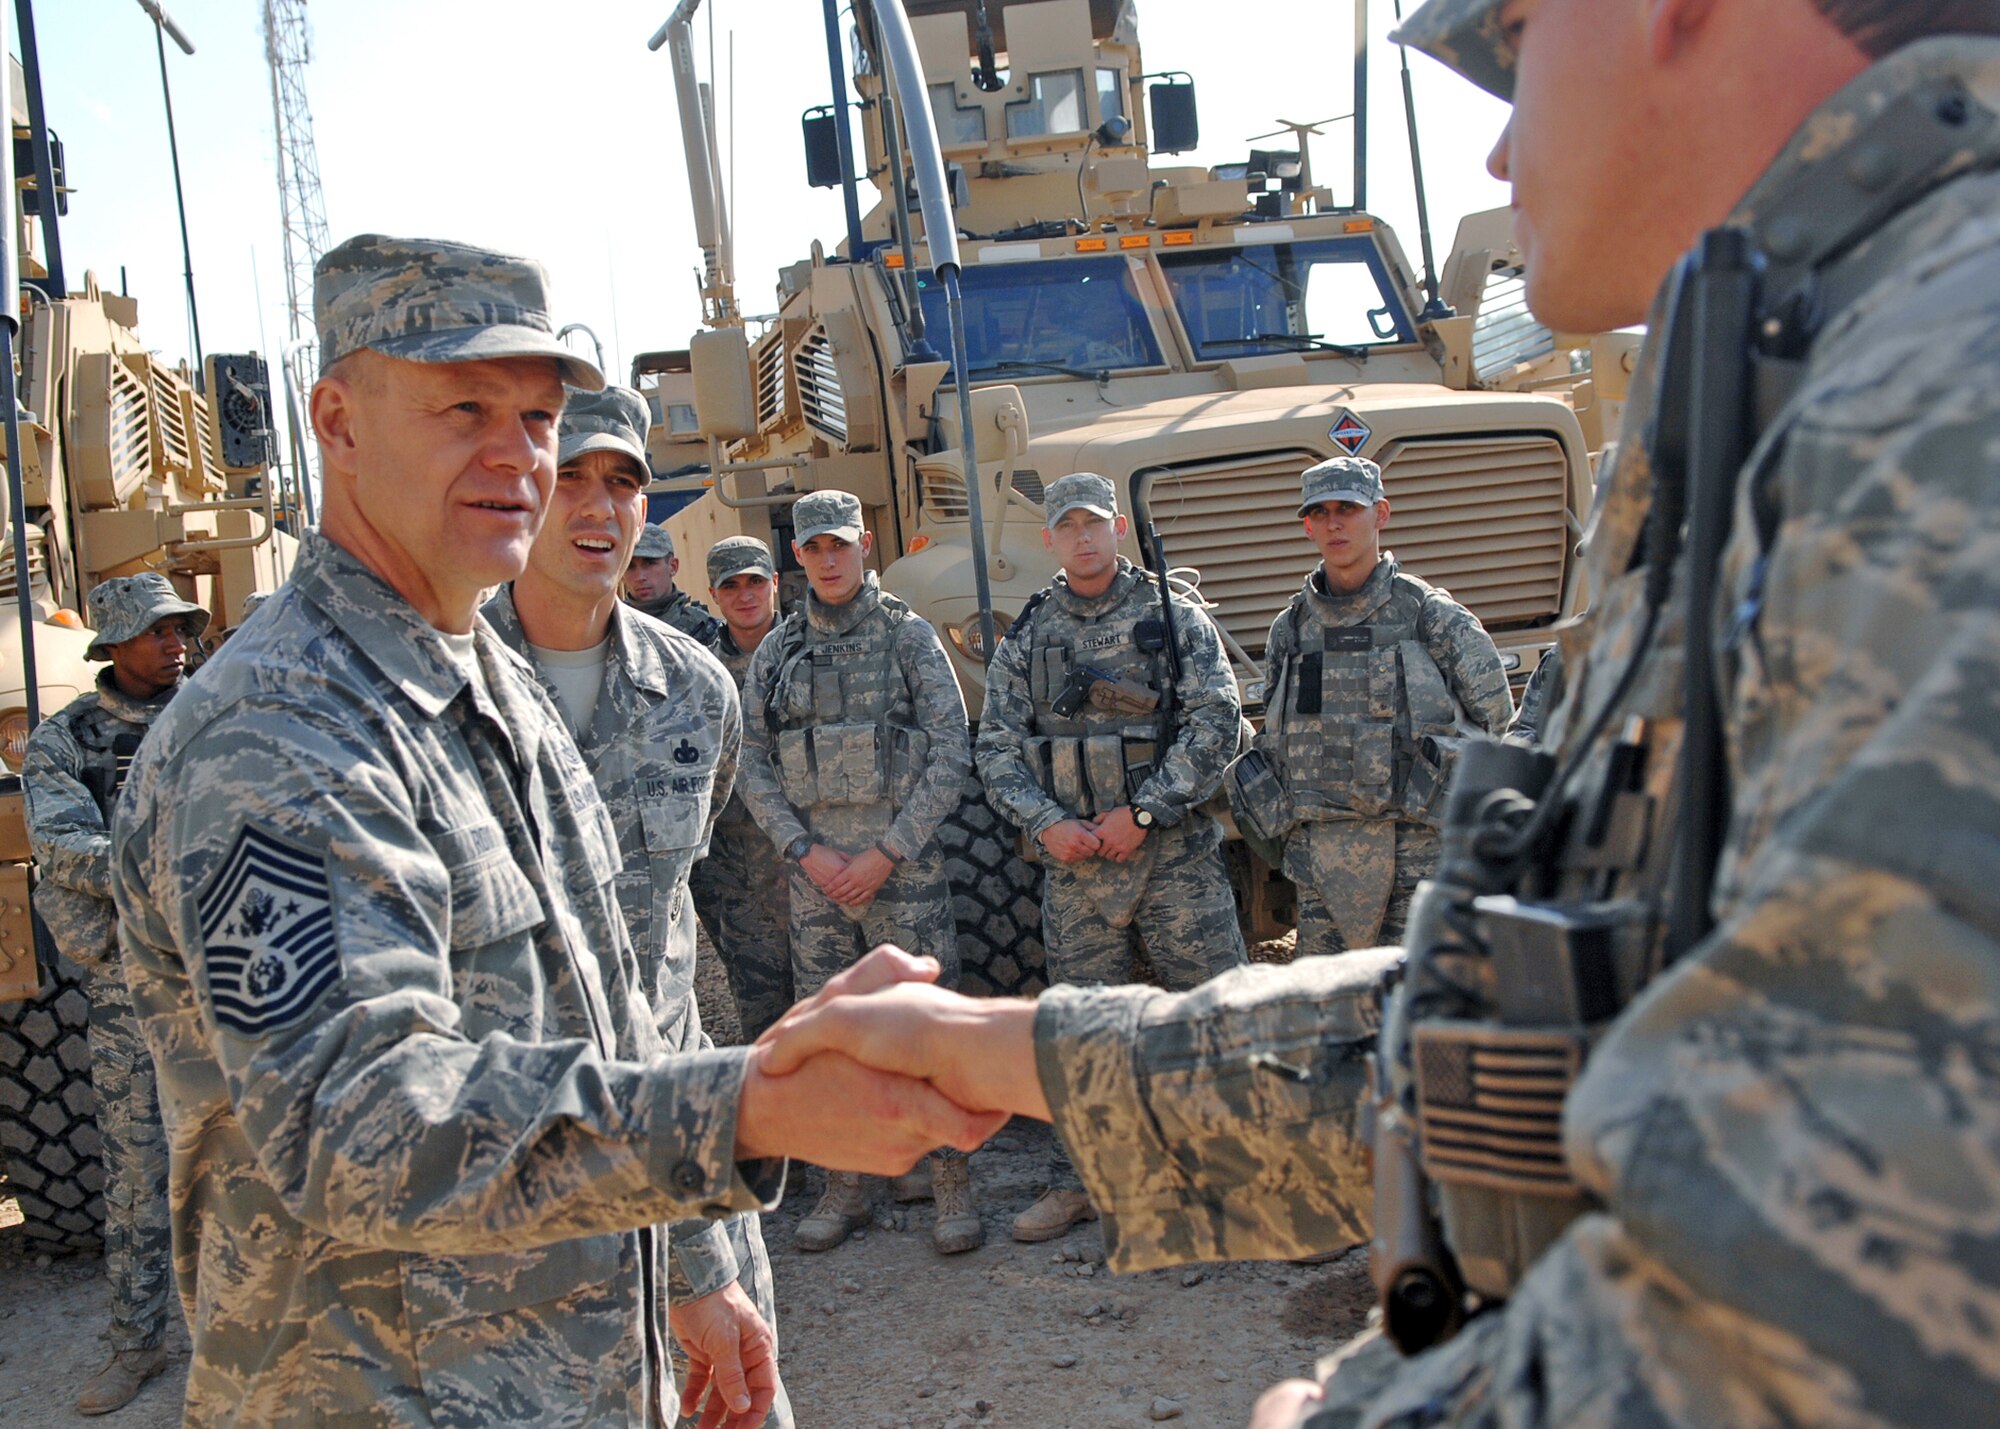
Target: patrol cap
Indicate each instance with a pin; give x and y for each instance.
(1080, 489)
(826, 513)
(125, 606)
(733, 555)
(614, 420)
(654, 544)
(1464, 35)
(253, 600)
(1341, 478)
(428, 300)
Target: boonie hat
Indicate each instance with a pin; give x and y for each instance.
(1342, 478)
(733, 555)
(428, 300)
(826, 513)
(614, 420)
(654, 544)
(1464, 35)
(1080, 489)
(125, 606)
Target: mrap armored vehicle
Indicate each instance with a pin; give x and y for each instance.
(1198, 335)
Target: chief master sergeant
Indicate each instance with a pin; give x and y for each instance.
(72, 772)
(855, 751)
(421, 1122)
(649, 585)
(1372, 679)
(657, 721)
(1104, 730)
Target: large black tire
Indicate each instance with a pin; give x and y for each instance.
(997, 897)
(49, 1143)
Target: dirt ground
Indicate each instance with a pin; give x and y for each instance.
(882, 1333)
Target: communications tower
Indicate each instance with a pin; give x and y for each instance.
(288, 48)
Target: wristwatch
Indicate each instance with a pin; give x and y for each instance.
(1144, 818)
(799, 847)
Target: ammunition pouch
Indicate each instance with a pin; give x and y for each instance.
(841, 765)
(1433, 758)
(1265, 814)
(1094, 773)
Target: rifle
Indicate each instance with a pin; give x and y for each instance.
(1156, 555)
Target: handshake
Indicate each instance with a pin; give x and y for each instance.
(881, 1067)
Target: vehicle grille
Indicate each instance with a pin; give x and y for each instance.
(820, 397)
(1483, 517)
(944, 493)
(769, 363)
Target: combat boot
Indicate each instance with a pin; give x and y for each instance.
(113, 1386)
(842, 1210)
(913, 1185)
(958, 1226)
(1053, 1215)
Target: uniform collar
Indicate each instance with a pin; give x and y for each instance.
(636, 658)
(122, 706)
(839, 619)
(1358, 604)
(1092, 606)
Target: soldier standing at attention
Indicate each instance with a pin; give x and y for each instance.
(1371, 679)
(1104, 730)
(423, 1126)
(649, 585)
(741, 888)
(658, 724)
(855, 752)
(72, 773)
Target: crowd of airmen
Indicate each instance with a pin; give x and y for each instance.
(397, 903)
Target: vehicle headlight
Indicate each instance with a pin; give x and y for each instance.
(14, 738)
(966, 637)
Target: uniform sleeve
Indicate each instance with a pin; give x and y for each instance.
(1001, 750)
(1277, 649)
(1210, 714)
(701, 1260)
(940, 713)
(66, 830)
(370, 1112)
(1466, 657)
(729, 753)
(756, 775)
(1218, 1124)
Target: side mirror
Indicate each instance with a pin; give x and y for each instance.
(725, 396)
(1176, 127)
(822, 138)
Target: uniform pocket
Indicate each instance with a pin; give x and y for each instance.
(796, 778)
(848, 760)
(674, 820)
(491, 899)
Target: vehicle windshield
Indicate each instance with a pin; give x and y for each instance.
(1330, 294)
(1080, 315)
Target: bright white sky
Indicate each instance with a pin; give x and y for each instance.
(549, 130)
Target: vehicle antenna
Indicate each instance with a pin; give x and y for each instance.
(1436, 307)
(163, 25)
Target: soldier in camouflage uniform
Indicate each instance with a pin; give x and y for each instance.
(1106, 778)
(649, 585)
(1371, 681)
(72, 773)
(1788, 1137)
(742, 889)
(422, 1122)
(658, 724)
(855, 751)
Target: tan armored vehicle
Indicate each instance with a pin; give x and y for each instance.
(1200, 336)
(126, 467)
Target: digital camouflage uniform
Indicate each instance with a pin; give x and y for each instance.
(1790, 1135)
(677, 608)
(1368, 693)
(416, 1098)
(72, 773)
(742, 889)
(662, 748)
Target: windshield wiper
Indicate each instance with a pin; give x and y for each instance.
(1303, 340)
(1099, 375)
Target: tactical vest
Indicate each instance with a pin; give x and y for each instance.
(843, 715)
(1096, 760)
(1356, 714)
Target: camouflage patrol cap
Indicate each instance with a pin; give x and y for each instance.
(427, 300)
(823, 513)
(253, 600)
(125, 606)
(1084, 490)
(654, 544)
(614, 420)
(1464, 35)
(735, 554)
(1342, 478)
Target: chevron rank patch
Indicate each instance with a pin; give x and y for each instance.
(267, 925)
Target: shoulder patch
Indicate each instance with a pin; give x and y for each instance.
(267, 928)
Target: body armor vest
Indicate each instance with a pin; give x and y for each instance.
(1358, 709)
(1094, 761)
(843, 715)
